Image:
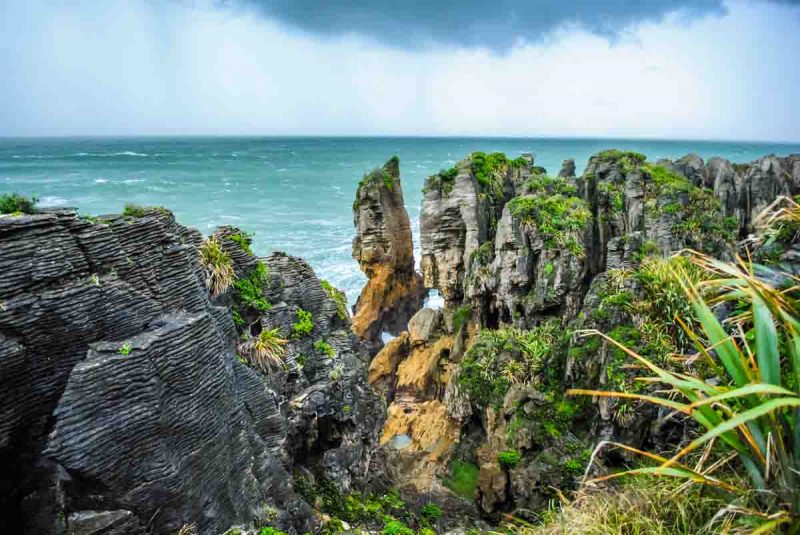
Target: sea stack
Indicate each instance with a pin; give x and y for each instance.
(384, 250)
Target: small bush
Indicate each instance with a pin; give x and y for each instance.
(266, 530)
(217, 266)
(243, 240)
(463, 479)
(250, 289)
(395, 527)
(266, 350)
(15, 204)
(135, 210)
(339, 297)
(325, 348)
(430, 513)
(559, 219)
(125, 349)
(509, 458)
(304, 324)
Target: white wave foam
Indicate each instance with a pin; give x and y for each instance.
(101, 181)
(52, 202)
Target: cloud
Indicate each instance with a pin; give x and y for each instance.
(497, 25)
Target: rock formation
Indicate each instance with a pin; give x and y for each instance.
(384, 250)
(508, 246)
(126, 408)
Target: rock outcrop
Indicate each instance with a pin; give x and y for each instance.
(125, 407)
(384, 250)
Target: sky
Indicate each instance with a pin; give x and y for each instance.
(691, 69)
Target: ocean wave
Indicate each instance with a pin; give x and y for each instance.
(52, 202)
(100, 180)
(107, 154)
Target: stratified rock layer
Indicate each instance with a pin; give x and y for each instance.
(125, 407)
(384, 250)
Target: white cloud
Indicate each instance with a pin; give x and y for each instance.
(145, 68)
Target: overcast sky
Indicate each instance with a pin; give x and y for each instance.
(693, 69)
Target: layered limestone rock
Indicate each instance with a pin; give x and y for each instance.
(557, 255)
(126, 408)
(384, 250)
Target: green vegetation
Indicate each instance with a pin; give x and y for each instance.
(488, 168)
(270, 531)
(15, 204)
(640, 506)
(395, 527)
(339, 297)
(125, 349)
(243, 240)
(304, 324)
(135, 210)
(217, 266)
(461, 317)
(325, 348)
(547, 185)
(443, 181)
(509, 458)
(463, 479)
(250, 289)
(628, 160)
(752, 412)
(483, 255)
(502, 357)
(266, 350)
(430, 513)
(778, 226)
(560, 220)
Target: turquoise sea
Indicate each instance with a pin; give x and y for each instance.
(295, 194)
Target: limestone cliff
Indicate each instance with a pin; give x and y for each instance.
(523, 260)
(128, 405)
(384, 250)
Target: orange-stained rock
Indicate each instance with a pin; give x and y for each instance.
(383, 367)
(384, 250)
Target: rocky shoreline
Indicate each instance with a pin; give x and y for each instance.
(146, 390)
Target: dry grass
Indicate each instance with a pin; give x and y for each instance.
(265, 351)
(217, 266)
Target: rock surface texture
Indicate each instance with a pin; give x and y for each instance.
(384, 250)
(125, 407)
(522, 260)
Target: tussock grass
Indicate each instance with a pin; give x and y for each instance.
(265, 351)
(217, 266)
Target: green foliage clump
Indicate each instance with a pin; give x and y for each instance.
(243, 240)
(395, 527)
(135, 210)
(484, 254)
(463, 479)
(544, 184)
(430, 513)
(266, 530)
(266, 350)
(628, 160)
(560, 220)
(488, 167)
(15, 204)
(338, 296)
(125, 349)
(444, 181)
(325, 348)
(461, 317)
(304, 324)
(217, 266)
(502, 357)
(250, 289)
(509, 458)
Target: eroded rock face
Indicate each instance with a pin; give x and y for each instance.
(384, 250)
(128, 409)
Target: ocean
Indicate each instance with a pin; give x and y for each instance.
(295, 194)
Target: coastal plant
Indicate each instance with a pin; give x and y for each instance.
(266, 350)
(325, 348)
(304, 324)
(509, 458)
(243, 240)
(560, 220)
(463, 479)
(752, 409)
(776, 226)
(430, 513)
(250, 289)
(217, 266)
(16, 204)
(339, 298)
(125, 349)
(136, 210)
(395, 527)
